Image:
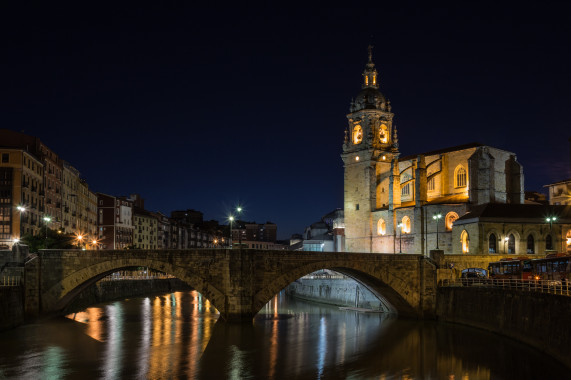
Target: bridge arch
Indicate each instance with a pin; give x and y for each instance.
(392, 290)
(62, 293)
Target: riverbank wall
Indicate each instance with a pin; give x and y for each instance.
(11, 307)
(538, 319)
(12, 297)
(335, 291)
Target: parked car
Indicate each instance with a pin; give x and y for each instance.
(474, 276)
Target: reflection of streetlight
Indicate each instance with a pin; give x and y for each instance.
(231, 219)
(437, 217)
(47, 219)
(400, 225)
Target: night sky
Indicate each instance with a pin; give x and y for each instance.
(208, 108)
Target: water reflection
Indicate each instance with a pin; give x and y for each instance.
(176, 336)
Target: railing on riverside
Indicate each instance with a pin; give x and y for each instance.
(324, 277)
(540, 286)
(10, 280)
(136, 275)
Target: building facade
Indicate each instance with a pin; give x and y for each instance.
(395, 204)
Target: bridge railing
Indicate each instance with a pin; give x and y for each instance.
(540, 286)
(136, 275)
(10, 280)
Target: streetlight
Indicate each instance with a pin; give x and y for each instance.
(95, 244)
(239, 211)
(400, 226)
(437, 217)
(79, 240)
(47, 219)
(231, 219)
(22, 209)
(506, 239)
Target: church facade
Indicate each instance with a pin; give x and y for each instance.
(395, 204)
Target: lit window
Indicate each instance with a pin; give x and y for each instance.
(357, 134)
(381, 227)
(465, 240)
(383, 134)
(405, 228)
(451, 217)
(460, 176)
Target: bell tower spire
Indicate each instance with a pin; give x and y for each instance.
(370, 75)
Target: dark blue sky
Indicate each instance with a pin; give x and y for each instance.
(206, 108)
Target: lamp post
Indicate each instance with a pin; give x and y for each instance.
(550, 220)
(239, 211)
(79, 241)
(506, 239)
(231, 219)
(47, 219)
(400, 237)
(21, 209)
(437, 217)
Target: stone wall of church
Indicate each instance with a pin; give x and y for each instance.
(479, 234)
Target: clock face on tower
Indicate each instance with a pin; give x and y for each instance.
(357, 134)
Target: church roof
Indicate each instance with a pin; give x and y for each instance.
(444, 150)
(559, 183)
(517, 212)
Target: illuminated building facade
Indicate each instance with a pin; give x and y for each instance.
(21, 195)
(395, 204)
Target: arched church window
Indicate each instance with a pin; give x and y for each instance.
(465, 240)
(460, 176)
(548, 243)
(357, 134)
(451, 217)
(381, 227)
(383, 134)
(492, 241)
(405, 229)
(511, 243)
(530, 244)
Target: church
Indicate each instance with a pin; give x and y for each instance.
(409, 204)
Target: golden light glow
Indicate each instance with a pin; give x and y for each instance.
(357, 134)
(381, 227)
(451, 217)
(357, 158)
(383, 134)
(405, 225)
(464, 239)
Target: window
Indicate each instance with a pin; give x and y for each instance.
(451, 217)
(511, 243)
(465, 240)
(357, 207)
(5, 158)
(357, 134)
(492, 240)
(405, 189)
(430, 184)
(530, 244)
(381, 227)
(460, 176)
(405, 225)
(548, 242)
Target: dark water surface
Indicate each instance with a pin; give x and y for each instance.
(176, 336)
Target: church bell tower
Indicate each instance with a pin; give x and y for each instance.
(370, 147)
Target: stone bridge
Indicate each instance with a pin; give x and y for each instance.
(237, 282)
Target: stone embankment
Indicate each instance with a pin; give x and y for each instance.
(538, 319)
(334, 290)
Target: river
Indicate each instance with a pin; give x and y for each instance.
(177, 336)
